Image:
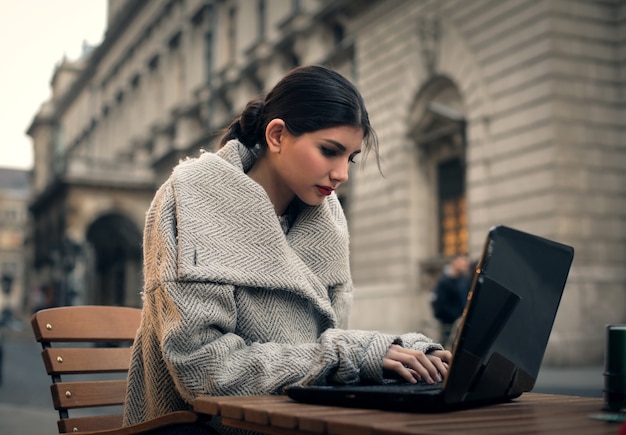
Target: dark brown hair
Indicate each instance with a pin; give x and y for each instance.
(307, 99)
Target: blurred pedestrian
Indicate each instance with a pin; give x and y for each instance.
(449, 296)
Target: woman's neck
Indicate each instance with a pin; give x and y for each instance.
(279, 194)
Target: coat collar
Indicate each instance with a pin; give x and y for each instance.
(228, 231)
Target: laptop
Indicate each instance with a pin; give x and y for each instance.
(502, 336)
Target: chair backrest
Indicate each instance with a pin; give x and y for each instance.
(80, 344)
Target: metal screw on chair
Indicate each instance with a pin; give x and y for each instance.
(48, 326)
(68, 394)
(59, 359)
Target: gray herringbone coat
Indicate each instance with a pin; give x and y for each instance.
(232, 305)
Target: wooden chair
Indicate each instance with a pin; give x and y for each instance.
(105, 333)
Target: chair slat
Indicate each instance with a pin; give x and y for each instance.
(83, 425)
(60, 361)
(88, 323)
(91, 423)
(84, 394)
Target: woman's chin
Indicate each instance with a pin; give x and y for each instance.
(313, 201)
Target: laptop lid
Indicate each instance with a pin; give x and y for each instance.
(504, 331)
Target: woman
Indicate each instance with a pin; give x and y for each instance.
(247, 280)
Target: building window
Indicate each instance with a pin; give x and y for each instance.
(196, 20)
(339, 33)
(176, 66)
(261, 17)
(134, 83)
(153, 63)
(58, 141)
(58, 162)
(174, 41)
(232, 34)
(452, 207)
(208, 56)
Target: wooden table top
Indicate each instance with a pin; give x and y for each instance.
(531, 413)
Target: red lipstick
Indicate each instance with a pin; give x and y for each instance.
(325, 190)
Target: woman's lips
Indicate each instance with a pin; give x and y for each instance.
(325, 190)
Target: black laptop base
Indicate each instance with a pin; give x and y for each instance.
(432, 403)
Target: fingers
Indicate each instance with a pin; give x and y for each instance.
(445, 355)
(441, 359)
(440, 362)
(413, 364)
(406, 373)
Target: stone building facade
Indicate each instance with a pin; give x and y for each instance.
(488, 112)
(14, 195)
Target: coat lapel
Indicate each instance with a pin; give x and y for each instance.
(228, 232)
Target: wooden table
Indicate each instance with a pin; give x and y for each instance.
(532, 413)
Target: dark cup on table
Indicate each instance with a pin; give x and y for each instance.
(615, 368)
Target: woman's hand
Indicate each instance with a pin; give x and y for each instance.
(413, 365)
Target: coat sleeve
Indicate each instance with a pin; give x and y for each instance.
(206, 357)
(194, 323)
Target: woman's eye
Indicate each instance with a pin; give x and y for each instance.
(354, 157)
(328, 152)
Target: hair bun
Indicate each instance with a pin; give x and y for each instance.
(249, 123)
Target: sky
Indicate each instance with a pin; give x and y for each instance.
(35, 36)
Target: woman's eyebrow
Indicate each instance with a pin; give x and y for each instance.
(340, 146)
(337, 144)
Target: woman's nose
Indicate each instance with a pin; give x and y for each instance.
(339, 172)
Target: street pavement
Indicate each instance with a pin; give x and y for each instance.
(26, 407)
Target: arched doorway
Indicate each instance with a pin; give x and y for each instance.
(438, 124)
(115, 261)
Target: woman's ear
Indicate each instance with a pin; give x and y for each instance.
(274, 133)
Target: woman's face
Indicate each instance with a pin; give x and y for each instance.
(313, 165)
